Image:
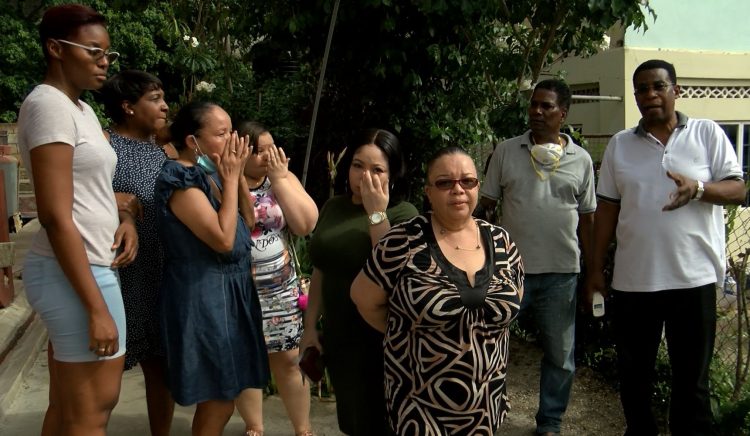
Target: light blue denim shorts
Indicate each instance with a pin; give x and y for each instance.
(50, 294)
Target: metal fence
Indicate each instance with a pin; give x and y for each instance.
(732, 349)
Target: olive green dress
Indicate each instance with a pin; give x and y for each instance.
(353, 351)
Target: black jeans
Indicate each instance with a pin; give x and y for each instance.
(688, 317)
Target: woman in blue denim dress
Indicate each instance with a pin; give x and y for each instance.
(211, 316)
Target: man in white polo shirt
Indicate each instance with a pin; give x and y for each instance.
(545, 183)
(661, 188)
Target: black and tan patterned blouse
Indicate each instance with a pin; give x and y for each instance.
(446, 344)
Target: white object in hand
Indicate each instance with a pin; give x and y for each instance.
(598, 305)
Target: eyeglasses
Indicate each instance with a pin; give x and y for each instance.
(447, 184)
(95, 52)
(658, 87)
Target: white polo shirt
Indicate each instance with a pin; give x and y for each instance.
(678, 249)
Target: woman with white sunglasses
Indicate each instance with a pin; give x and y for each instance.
(70, 271)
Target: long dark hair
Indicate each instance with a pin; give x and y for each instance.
(389, 144)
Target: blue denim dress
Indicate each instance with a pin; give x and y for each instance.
(211, 316)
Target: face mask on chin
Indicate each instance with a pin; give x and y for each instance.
(203, 161)
(206, 163)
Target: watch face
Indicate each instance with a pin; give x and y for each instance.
(377, 218)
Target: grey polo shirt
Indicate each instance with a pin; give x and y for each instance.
(542, 215)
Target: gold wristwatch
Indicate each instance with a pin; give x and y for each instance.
(377, 218)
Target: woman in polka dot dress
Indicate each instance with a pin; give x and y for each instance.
(281, 206)
(134, 100)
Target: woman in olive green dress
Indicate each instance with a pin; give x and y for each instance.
(348, 227)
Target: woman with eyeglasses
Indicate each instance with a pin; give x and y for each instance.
(70, 271)
(444, 287)
(348, 227)
(134, 100)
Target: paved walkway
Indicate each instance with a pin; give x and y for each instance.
(24, 380)
(130, 416)
(594, 407)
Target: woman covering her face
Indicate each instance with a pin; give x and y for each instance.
(444, 288)
(281, 207)
(134, 100)
(348, 227)
(211, 317)
(70, 271)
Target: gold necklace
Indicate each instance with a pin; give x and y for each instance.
(445, 232)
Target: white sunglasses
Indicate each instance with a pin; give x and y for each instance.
(95, 52)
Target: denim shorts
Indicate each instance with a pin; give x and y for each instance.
(50, 294)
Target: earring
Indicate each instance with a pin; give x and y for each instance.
(130, 112)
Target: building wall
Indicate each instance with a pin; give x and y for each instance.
(711, 25)
(707, 41)
(606, 70)
(699, 68)
(612, 70)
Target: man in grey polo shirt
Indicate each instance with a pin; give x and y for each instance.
(660, 189)
(545, 183)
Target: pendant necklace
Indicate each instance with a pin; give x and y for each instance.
(445, 232)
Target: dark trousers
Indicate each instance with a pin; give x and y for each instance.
(357, 376)
(688, 317)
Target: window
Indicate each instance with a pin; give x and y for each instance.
(739, 136)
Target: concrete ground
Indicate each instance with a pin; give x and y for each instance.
(24, 378)
(129, 417)
(594, 407)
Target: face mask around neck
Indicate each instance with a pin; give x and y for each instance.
(548, 154)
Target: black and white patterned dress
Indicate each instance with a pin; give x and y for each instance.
(138, 164)
(446, 343)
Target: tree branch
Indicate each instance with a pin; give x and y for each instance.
(552, 32)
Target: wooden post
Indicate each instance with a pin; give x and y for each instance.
(7, 291)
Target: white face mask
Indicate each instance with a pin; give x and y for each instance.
(548, 154)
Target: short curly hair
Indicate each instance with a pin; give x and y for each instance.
(655, 64)
(558, 87)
